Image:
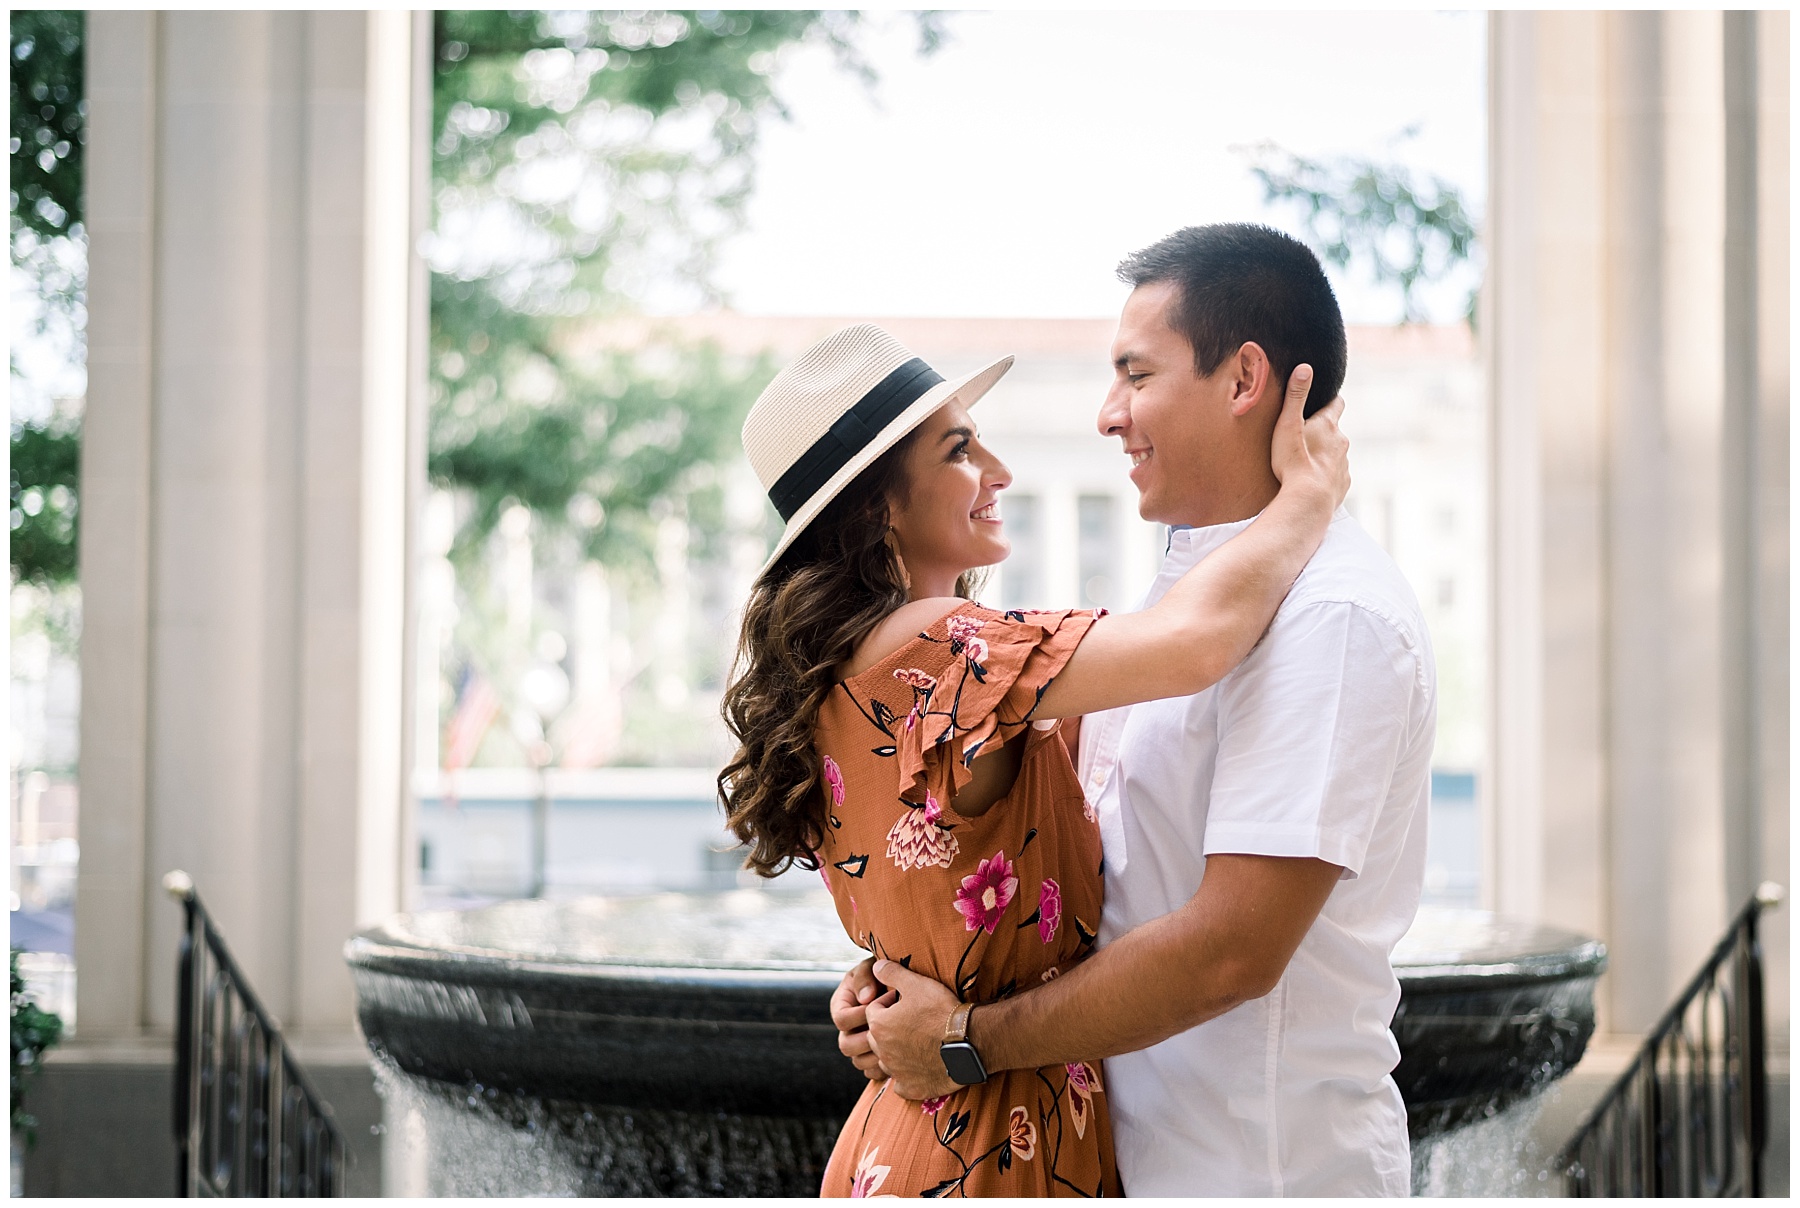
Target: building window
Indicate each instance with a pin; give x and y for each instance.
(1097, 516)
(1021, 580)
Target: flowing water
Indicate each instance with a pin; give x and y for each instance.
(1503, 1155)
(445, 1141)
(441, 1141)
(434, 1145)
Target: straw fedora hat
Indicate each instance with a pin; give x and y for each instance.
(843, 403)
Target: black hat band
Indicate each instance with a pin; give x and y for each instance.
(851, 434)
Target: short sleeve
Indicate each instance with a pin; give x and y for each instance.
(982, 676)
(1312, 728)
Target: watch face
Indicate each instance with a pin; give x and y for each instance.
(963, 1063)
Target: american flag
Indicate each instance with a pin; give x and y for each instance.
(476, 707)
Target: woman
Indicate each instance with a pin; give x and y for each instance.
(902, 739)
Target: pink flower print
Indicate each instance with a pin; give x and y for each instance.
(1021, 1134)
(962, 637)
(964, 628)
(917, 841)
(986, 893)
(1049, 909)
(868, 1177)
(834, 779)
(915, 677)
(932, 1106)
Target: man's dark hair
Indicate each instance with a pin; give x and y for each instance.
(1238, 281)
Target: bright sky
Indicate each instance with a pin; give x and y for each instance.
(1007, 174)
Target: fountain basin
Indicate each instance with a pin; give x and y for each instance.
(631, 1027)
(1491, 1011)
(684, 1002)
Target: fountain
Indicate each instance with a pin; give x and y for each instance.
(1492, 1011)
(680, 1043)
(663, 1044)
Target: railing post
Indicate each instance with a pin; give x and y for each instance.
(1756, 1084)
(181, 889)
(269, 1058)
(1654, 1151)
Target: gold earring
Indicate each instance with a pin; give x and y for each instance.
(894, 549)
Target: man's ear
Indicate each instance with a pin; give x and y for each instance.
(1251, 374)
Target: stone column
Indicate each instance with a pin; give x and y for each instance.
(115, 539)
(249, 446)
(1771, 444)
(1544, 232)
(1639, 600)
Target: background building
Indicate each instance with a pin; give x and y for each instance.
(1415, 419)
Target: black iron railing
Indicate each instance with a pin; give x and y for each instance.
(1689, 1117)
(247, 1122)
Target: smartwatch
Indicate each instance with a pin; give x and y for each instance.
(961, 1061)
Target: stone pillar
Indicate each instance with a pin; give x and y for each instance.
(1640, 600)
(115, 539)
(1771, 444)
(249, 448)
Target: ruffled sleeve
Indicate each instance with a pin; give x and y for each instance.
(984, 673)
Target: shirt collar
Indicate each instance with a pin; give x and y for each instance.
(1189, 543)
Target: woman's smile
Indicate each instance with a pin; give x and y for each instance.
(948, 522)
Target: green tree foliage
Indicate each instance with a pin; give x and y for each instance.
(34, 1032)
(1408, 232)
(585, 163)
(49, 120)
(607, 146)
(45, 465)
(596, 457)
(49, 131)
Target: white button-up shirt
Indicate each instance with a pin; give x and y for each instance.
(1319, 744)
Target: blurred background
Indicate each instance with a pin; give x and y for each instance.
(392, 503)
(621, 256)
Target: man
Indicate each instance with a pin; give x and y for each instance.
(1264, 839)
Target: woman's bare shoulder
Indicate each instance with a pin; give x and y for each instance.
(897, 629)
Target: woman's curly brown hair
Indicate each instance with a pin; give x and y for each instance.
(805, 617)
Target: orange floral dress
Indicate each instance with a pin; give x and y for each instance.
(988, 906)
